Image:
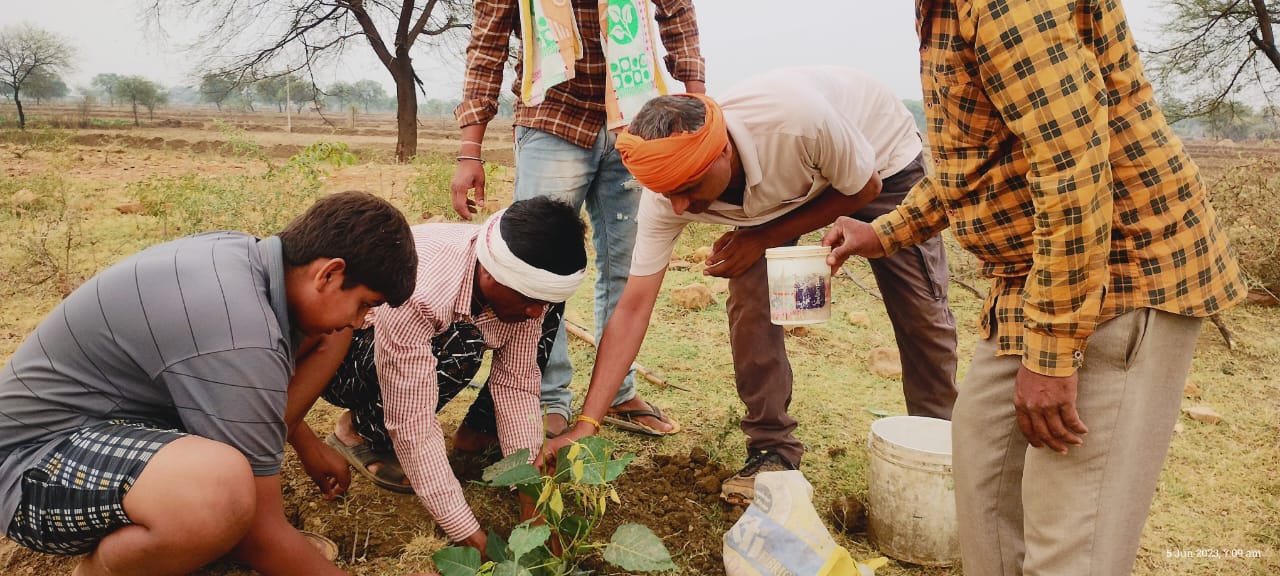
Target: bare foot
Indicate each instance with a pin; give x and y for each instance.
(638, 403)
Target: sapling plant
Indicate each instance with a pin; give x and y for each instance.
(570, 502)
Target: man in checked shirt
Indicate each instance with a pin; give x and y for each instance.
(564, 149)
(1055, 167)
(478, 288)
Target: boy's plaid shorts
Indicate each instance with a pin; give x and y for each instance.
(75, 496)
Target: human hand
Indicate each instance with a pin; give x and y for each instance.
(478, 540)
(1046, 407)
(849, 237)
(695, 87)
(467, 176)
(327, 469)
(735, 252)
(551, 447)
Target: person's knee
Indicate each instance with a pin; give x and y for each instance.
(195, 486)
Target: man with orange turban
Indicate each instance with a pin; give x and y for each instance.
(781, 155)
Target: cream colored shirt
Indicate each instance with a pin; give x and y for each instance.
(797, 131)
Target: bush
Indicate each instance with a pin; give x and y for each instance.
(260, 205)
(1247, 199)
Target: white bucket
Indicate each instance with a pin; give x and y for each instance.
(912, 503)
(799, 284)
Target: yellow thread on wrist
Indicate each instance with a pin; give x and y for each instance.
(588, 420)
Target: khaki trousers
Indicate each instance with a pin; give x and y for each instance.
(1024, 510)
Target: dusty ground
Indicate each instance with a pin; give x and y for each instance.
(1219, 491)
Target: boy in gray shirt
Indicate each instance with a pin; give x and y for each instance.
(142, 422)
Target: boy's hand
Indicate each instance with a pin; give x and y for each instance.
(327, 469)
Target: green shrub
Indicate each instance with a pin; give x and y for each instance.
(570, 504)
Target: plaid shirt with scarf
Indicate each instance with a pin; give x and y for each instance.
(573, 110)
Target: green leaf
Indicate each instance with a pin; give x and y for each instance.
(514, 470)
(510, 568)
(574, 527)
(556, 505)
(496, 547)
(615, 467)
(457, 561)
(636, 548)
(878, 412)
(525, 538)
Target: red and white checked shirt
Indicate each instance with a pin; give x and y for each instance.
(407, 371)
(573, 110)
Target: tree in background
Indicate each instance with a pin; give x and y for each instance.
(106, 86)
(311, 30)
(1231, 119)
(45, 85)
(371, 93)
(1214, 48)
(218, 88)
(344, 93)
(139, 91)
(26, 50)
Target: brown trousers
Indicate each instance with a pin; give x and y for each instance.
(1024, 510)
(913, 282)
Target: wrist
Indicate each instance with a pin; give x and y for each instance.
(469, 158)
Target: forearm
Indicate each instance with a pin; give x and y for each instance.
(487, 54)
(619, 346)
(678, 27)
(829, 205)
(472, 141)
(273, 547)
(314, 371)
(919, 217)
(515, 383)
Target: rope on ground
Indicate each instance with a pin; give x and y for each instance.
(582, 334)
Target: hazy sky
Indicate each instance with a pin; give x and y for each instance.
(738, 38)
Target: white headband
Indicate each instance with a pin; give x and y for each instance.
(516, 274)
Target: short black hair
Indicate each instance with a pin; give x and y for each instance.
(546, 233)
(367, 232)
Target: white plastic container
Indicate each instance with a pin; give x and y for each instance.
(799, 284)
(912, 502)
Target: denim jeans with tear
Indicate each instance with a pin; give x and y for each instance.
(547, 165)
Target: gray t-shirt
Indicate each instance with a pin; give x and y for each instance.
(192, 334)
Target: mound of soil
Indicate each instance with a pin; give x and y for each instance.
(678, 497)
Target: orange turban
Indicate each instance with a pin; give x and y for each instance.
(665, 164)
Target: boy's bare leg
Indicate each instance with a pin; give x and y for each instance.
(189, 506)
(274, 547)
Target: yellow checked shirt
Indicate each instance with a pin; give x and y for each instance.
(1055, 167)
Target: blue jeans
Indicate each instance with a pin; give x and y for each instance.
(547, 165)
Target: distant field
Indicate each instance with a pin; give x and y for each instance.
(73, 201)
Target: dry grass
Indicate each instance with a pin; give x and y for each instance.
(1220, 489)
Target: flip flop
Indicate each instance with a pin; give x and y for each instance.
(389, 475)
(327, 547)
(626, 420)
